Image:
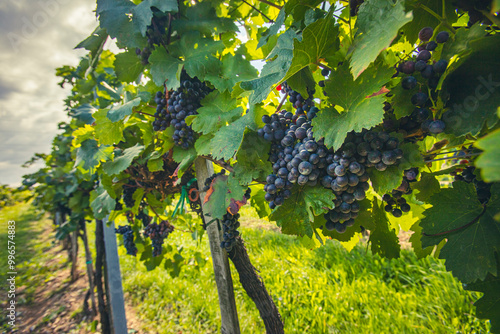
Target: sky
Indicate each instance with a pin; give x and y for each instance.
(36, 37)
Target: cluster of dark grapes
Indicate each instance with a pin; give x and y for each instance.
(181, 103)
(144, 217)
(157, 233)
(128, 239)
(395, 203)
(298, 158)
(482, 188)
(230, 226)
(118, 205)
(474, 8)
(154, 33)
(346, 173)
(209, 179)
(128, 193)
(430, 72)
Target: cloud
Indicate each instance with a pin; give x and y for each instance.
(31, 102)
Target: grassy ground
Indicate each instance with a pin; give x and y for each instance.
(328, 290)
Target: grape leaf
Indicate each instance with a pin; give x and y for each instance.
(273, 29)
(378, 23)
(203, 18)
(198, 54)
(252, 159)
(460, 44)
(107, 132)
(469, 252)
(422, 18)
(360, 111)
(164, 67)
(142, 13)
(274, 70)
(227, 140)
(119, 164)
(217, 110)
(488, 307)
(128, 66)
(184, 158)
(114, 17)
(297, 214)
(94, 41)
(319, 40)
(259, 203)
(427, 186)
(101, 203)
(489, 160)
(234, 69)
(119, 112)
(401, 100)
(391, 178)
(416, 242)
(474, 89)
(90, 155)
(225, 189)
(83, 113)
(302, 81)
(383, 240)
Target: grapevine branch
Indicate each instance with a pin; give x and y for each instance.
(256, 9)
(458, 228)
(220, 163)
(271, 4)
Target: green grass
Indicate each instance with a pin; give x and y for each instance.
(328, 290)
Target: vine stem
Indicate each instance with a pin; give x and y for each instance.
(491, 17)
(271, 4)
(452, 158)
(281, 103)
(145, 113)
(324, 66)
(430, 11)
(256, 9)
(458, 228)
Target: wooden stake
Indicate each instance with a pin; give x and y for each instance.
(227, 304)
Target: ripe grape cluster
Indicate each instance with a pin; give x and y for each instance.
(144, 217)
(395, 203)
(128, 193)
(230, 226)
(482, 188)
(157, 233)
(174, 109)
(298, 158)
(128, 239)
(430, 72)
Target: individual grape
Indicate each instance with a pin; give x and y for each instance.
(408, 67)
(420, 65)
(431, 46)
(442, 37)
(419, 99)
(428, 72)
(436, 127)
(397, 213)
(440, 66)
(424, 55)
(409, 82)
(425, 34)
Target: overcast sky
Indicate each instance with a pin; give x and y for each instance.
(36, 37)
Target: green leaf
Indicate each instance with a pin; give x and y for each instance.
(101, 203)
(274, 70)
(302, 81)
(273, 29)
(203, 18)
(383, 240)
(164, 67)
(416, 242)
(84, 113)
(128, 66)
(225, 188)
(142, 13)
(297, 214)
(460, 44)
(234, 69)
(227, 140)
(319, 40)
(474, 90)
(489, 160)
(427, 186)
(119, 112)
(469, 252)
(114, 17)
(252, 159)
(184, 158)
(218, 109)
(259, 203)
(384, 182)
(488, 307)
(155, 165)
(422, 18)
(401, 101)
(119, 164)
(360, 110)
(107, 132)
(90, 155)
(378, 23)
(199, 54)
(94, 41)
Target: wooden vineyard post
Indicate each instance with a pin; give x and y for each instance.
(115, 289)
(227, 303)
